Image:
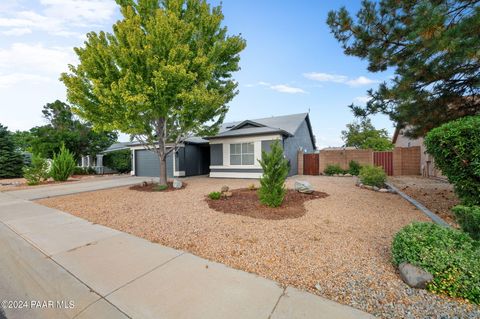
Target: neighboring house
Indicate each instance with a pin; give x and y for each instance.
(233, 152)
(96, 162)
(427, 164)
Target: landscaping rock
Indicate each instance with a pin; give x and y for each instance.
(227, 194)
(383, 190)
(177, 184)
(375, 188)
(414, 276)
(224, 189)
(348, 175)
(303, 187)
(368, 187)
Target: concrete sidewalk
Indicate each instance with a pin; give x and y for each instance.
(97, 272)
(73, 188)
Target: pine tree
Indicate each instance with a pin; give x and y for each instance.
(11, 161)
(275, 171)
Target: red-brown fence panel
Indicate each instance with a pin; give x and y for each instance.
(385, 160)
(311, 164)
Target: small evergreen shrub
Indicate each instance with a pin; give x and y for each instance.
(215, 195)
(372, 175)
(37, 171)
(160, 187)
(84, 171)
(120, 161)
(11, 161)
(451, 256)
(455, 146)
(354, 168)
(469, 219)
(275, 171)
(63, 165)
(333, 169)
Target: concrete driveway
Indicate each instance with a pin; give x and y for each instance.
(55, 265)
(73, 188)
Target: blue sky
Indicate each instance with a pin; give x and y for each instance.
(292, 63)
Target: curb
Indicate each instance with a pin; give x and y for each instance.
(422, 208)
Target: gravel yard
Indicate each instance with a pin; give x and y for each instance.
(339, 249)
(437, 195)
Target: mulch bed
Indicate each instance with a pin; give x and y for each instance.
(151, 187)
(245, 202)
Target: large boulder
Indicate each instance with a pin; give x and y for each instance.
(303, 187)
(177, 184)
(414, 276)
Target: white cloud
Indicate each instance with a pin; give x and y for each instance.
(326, 77)
(283, 88)
(17, 31)
(12, 79)
(338, 78)
(362, 99)
(35, 58)
(58, 17)
(360, 81)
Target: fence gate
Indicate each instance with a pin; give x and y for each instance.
(385, 160)
(311, 164)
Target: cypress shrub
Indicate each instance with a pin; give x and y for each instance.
(63, 165)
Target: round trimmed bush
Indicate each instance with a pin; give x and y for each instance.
(451, 256)
(372, 175)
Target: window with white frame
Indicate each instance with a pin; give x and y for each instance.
(242, 154)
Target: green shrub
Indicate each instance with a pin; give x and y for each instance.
(160, 187)
(275, 171)
(372, 175)
(63, 165)
(37, 171)
(215, 195)
(120, 161)
(451, 256)
(455, 146)
(354, 168)
(11, 161)
(469, 219)
(333, 169)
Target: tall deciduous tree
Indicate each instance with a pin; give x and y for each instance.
(64, 128)
(364, 135)
(162, 75)
(433, 47)
(11, 161)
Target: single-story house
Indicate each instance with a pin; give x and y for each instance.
(427, 163)
(234, 152)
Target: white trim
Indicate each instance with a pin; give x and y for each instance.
(245, 139)
(178, 173)
(235, 175)
(132, 172)
(235, 166)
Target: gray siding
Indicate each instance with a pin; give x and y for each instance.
(148, 164)
(180, 160)
(266, 145)
(292, 144)
(216, 154)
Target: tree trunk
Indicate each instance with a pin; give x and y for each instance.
(161, 152)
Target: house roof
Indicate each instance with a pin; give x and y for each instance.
(117, 147)
(285, 125)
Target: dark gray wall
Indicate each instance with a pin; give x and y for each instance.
(197, 159)
(216, 154)
(301, 139)
(148, 164)
(180, 160)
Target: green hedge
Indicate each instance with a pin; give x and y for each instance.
(333, 169)
(372, 175)
(120, 161)
(469, 219)
(354, 168)
(455, 146)
(451, 256)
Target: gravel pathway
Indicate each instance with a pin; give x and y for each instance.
(339, 249)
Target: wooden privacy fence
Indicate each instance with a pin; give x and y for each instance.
(385, 160)
(400, 161)
(311, 164)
